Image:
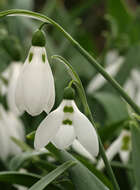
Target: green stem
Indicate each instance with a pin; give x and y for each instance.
(42, 25)
(98, 67)
(76, 80)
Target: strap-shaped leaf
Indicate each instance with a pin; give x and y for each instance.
(25, 179)
(42, 183)
(136, 153)
(81, 177)
(19, 160)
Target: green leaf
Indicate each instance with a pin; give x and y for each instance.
(135, 131)
(123, 16)
(81, 177)
(115, 108)
(25, 179)
(42, 183)
(96, 172)
(18, 161)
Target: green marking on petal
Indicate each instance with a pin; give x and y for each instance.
(43, 57)
(68, 109)
(30, 57)
(125, 142)
(67, 122)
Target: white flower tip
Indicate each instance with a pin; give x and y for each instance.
(37, 145)
(96, 150)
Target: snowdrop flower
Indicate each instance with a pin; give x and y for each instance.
(10, 126)
(15, 69)
(64, 125)
(114, 63)
(35, 90)
(121, 145)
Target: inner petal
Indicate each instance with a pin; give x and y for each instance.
(64, 137)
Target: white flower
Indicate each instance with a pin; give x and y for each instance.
(114, 63)
(64, 125)
(10, 126)
(14, 70)
(121, 145)
(35, 87)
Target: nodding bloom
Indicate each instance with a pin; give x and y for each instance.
(121, 145)
(64, 125)
(35, 90)
(10, 126)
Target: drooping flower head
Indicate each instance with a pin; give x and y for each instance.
(35, 90)
(64, 125)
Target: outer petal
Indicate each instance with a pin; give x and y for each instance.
(124, 155)
(48, 129)
(85, 132)
(4, 135)
(81, 150)
(50, 103)
(98, 81)
(19, 97)
(64, 137)
(113, 149)
(4, 142)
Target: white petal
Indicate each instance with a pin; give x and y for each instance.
(85, 132)
(98, 81)
(130, 88)
(5, 148)
(36, 83)
(124, 155)
(64, 137)
(15, 129)
(48, 129)
(4, 142)
(113, 149)
(111, 57)
(50, 103)
(15, 71)
(81, 150)
(19, 100)
(16, 126)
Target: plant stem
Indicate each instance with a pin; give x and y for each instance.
(76, 80)
(97, 66)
